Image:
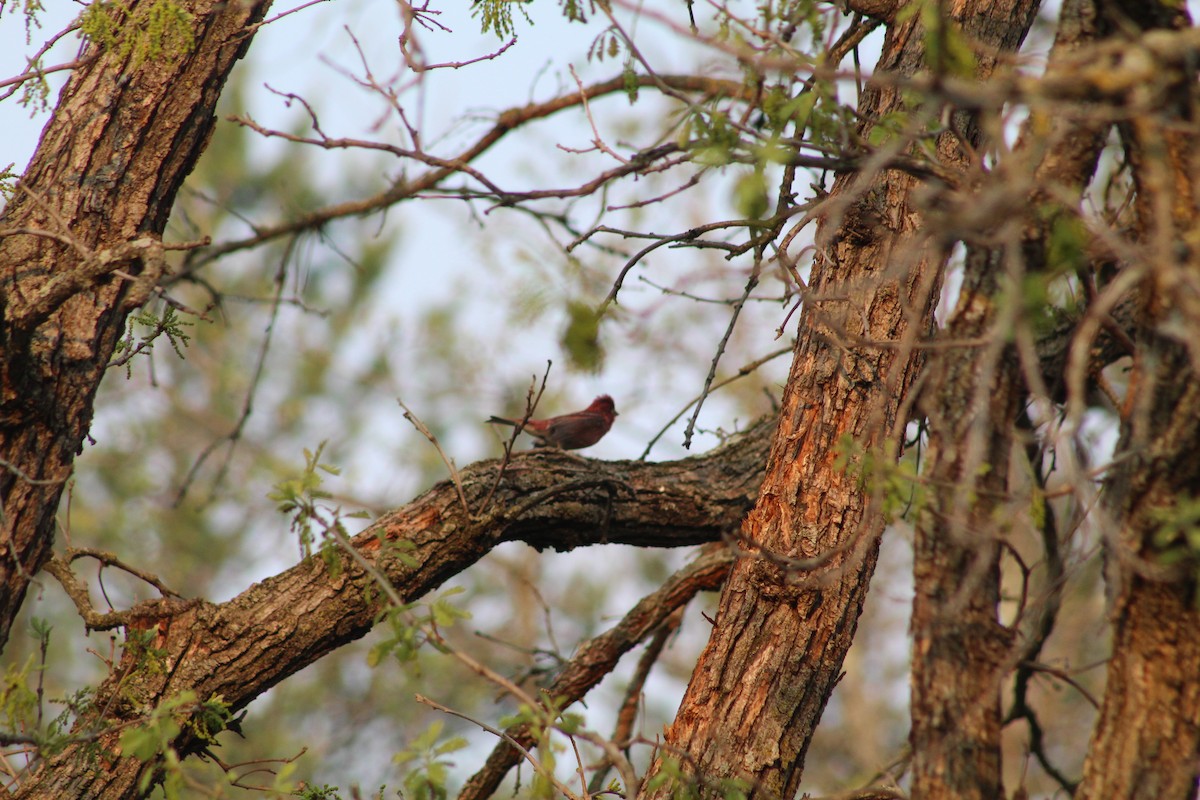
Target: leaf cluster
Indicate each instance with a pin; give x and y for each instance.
(300, 496)
(153, 740)
(428, 779)
(140, 32)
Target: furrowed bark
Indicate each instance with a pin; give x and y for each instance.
(783, 627)
(1147, 741)
(93, 201)
(241, 648)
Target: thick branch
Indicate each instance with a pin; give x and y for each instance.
(241, 648)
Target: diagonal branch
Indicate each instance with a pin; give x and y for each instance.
(240, 648)
(597, 657)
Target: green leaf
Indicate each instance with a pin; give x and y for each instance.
(887, 128)
(451, 746)
(1066, 243)
(429, 736)
(712, 156)
(631, 82)
(581, 339)
(750, 195)
(571, 723)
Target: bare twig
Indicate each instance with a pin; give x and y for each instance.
(741, 373)
(597, 139)
(15, 82)
(111, 560)
(531, 402)
(460, 64)
(423, 429)
(248, 404)
(751, 284)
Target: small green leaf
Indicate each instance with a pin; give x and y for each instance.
(631, 81)
(581, 339)
(451, 746)
(750, 195)
(712, 156)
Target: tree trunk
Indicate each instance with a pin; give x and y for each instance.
(81, 249)
(789, 611)
(960, 648)
(1147, 741)
(961, 652)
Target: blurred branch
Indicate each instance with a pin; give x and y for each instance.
(235, 434)
(597, 657)
(627, 715)
(441, 168)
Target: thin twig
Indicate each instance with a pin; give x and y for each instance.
(597, 140)
(248, 404)
(110, 560)
(16, 81)
(596, 657)
(531, 402)
(627, 715)
(741, 373)
(751, 284)
(537, 765)
(455, 477)
(20, 473)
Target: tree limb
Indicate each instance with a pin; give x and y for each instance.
(242, 647)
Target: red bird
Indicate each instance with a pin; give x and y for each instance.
(570, 431)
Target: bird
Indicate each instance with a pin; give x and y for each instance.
(569, 431)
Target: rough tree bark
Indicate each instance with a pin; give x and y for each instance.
(92, 203)
(81, 250)
(241, 648)
(961, 652)
(959, 646)
(784, 626)
(1147, 741)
